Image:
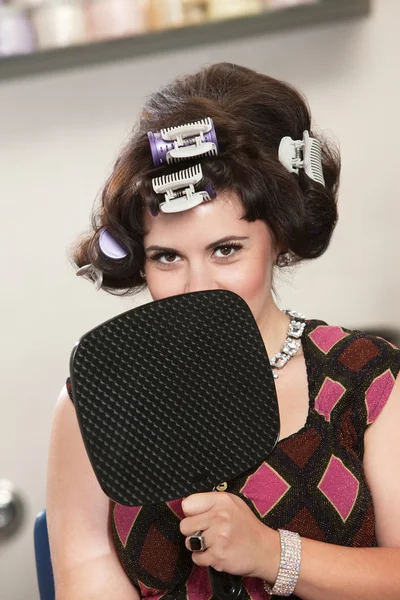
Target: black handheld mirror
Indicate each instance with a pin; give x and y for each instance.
(175, 397)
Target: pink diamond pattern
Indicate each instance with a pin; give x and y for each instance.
(176, 507)
(340, 487)
(265, 488)
(198, 585)
(325, 337)
(146, 592)
(124, 519)
(328, 396)
(377, 394)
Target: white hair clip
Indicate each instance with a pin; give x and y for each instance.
(91, 273)
(179, 190)
(174, 144)
(302, 154)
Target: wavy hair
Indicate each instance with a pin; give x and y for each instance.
(251, 113)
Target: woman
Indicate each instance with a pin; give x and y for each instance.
(260, 195)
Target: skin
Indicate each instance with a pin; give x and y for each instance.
(184, 253)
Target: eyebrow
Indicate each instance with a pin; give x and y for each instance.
(228, 238)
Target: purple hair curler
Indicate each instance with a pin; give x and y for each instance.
(110, 247)
(175, 144)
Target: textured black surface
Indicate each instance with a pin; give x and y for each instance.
(174, 397)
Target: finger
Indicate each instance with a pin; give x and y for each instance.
(199, 503)
(201, 559)
(207, 557)
(190, 525)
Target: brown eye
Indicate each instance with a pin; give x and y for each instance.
(166, 258)
(227, 251)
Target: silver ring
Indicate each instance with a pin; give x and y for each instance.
(197, 543)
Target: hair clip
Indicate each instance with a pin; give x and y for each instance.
(186, 141)
(290, 156)
(110, 247)
(92, 274)
(179, 190)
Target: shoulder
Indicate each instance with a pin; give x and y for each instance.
(353, 349)
(333, 338)
(366, 364)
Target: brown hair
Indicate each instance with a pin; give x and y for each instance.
(251, 114)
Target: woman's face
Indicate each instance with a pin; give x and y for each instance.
(210, 247)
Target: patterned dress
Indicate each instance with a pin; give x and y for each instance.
(313, 482)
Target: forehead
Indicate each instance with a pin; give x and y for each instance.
(215, 219)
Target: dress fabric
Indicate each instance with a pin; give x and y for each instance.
(313, 482)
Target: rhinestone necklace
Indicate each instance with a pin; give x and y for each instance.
(292, 343)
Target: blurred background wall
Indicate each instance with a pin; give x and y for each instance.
(59, 136)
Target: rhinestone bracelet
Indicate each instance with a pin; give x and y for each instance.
(289, 568)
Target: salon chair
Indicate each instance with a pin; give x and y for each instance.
(43, 559)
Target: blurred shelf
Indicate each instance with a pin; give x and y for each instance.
(325, 11)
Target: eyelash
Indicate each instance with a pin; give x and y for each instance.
(231, 245)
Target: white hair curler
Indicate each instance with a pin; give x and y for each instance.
(302, 154)
(179, 190)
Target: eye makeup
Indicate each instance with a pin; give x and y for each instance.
(232, 246)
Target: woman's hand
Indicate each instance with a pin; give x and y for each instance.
(236, 541)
